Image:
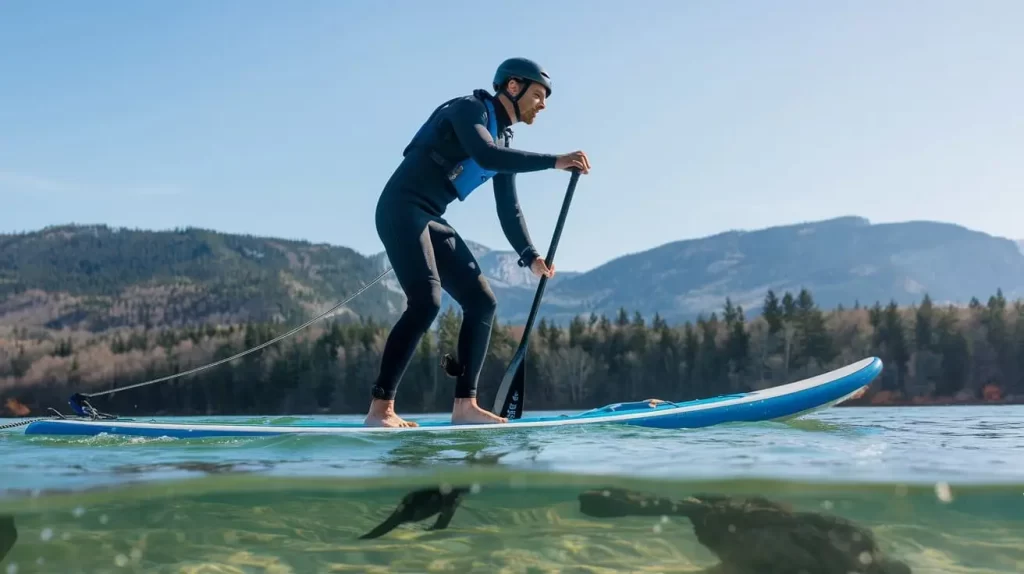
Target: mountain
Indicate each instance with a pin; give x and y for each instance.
(95, 277)
(841, 261)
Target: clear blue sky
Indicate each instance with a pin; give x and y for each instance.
(286, 118)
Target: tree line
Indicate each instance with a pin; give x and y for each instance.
(931, 352)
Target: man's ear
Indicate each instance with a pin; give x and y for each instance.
(514, 87)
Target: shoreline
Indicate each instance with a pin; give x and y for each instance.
(932, 403)
(950, 404)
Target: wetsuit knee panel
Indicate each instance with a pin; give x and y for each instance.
(426, 301)
(483, 303)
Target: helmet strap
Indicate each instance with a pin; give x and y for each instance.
(515, 99)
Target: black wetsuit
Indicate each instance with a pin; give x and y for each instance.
(427, 254)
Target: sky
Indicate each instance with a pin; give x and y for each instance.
(286, 119)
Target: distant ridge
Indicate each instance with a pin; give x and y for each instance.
(96, 277)
(842, 261)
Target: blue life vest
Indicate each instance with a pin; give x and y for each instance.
(466, 175)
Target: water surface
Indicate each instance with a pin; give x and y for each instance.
(938, 488)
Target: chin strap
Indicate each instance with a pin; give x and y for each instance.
(515, 99)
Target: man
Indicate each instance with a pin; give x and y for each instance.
(460, 146)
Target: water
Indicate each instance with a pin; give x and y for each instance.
(940, 489)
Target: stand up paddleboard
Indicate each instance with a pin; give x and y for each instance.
(781, 402)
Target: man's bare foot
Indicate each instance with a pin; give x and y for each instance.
(466, 411)
(382, 414)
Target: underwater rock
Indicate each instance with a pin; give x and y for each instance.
(753, 535)
(8, 535)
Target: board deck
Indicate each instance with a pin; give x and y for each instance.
(781, 402)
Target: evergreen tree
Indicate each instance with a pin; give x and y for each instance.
(816, 341)
(738, 341)
(894, 343)
(994, 319)
(924, 324)
(953, 346)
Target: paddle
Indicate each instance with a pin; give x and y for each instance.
(509, 399)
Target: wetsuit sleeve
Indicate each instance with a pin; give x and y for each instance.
(511, 217)
(469, 121)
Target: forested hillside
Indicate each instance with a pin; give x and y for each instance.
(932, 354)
(96, 277)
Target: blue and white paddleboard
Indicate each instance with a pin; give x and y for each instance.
(781, 402)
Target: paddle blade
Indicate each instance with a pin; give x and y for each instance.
(508, 402)
(513, 408)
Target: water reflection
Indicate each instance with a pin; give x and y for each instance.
(204, 467)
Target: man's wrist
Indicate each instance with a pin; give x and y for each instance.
(528, 256)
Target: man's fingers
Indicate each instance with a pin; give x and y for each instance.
(541, 269)
(577, 160)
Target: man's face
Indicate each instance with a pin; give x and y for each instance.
(532, 102)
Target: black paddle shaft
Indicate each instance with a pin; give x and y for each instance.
(509, 398)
